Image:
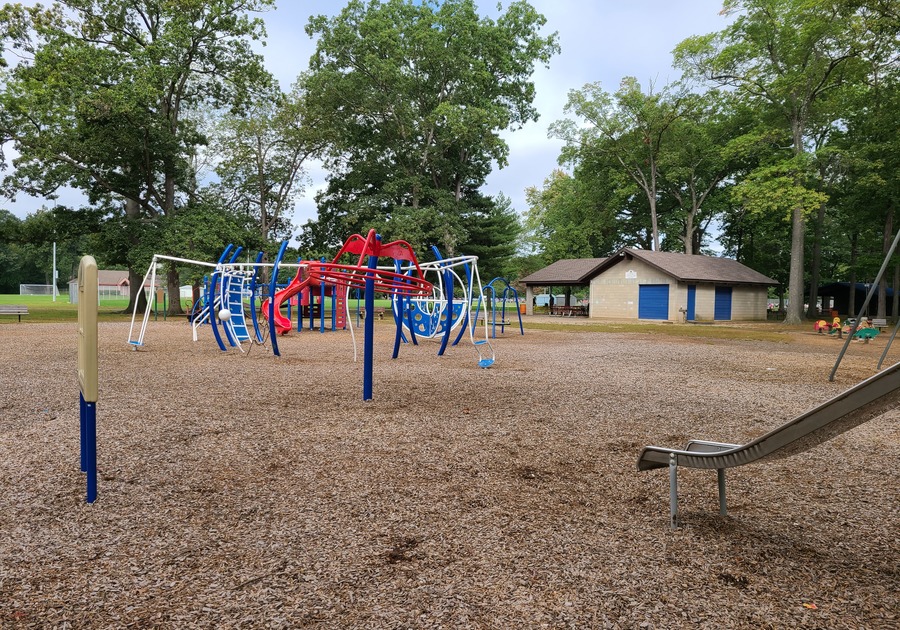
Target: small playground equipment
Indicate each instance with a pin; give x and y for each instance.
(509, 294)
(230, 299)
(438, 315)
(823, 326)
(222, 302)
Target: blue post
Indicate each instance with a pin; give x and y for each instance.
(368, 348)
(448, 287)
(89, 446)
(334, 307)
(273, 285)
(213, 313)
(398, 305)
(81, 415)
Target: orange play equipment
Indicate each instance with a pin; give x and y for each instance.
(283, 324)
(345, 275)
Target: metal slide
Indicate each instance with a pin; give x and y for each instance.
(869, 399)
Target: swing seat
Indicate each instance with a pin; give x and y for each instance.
(485, 363)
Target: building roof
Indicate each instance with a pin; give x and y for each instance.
(111, 277)
(569, 271)
(693, 268)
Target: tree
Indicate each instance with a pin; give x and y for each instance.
(758, 240)
(102, 98)
(571, 217)
(715, 140)
(413, 97)
(261, 153)
(630, 127)
(787, 54)
(493, 228)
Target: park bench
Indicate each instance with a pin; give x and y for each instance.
(568, 311)
(879, 323)
(14, 309)
(378, 310)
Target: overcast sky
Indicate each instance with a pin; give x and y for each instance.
(601, 40)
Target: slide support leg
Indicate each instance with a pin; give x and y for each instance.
(723, 508)
(673, 491)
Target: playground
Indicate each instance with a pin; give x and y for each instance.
(245, 490)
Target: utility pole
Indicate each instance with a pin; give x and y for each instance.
(55, 272)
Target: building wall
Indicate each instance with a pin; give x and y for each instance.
(614, 294)
(747, 303)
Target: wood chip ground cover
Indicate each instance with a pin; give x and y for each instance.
(254, 492)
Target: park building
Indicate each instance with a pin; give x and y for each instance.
(663, 286)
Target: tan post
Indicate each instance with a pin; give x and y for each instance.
(87, 328)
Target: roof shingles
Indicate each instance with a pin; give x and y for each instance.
(569, 271)
(695, 268)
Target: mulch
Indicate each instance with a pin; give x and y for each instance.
(247, 491)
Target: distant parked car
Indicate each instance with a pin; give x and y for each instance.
(558, 300)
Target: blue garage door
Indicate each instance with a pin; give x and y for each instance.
(692, 302)
(653, 301)
(723, 304)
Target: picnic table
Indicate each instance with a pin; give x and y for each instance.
(568, 311)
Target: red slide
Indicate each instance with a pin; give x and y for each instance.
(283, 324)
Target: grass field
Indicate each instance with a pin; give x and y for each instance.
(42, 308)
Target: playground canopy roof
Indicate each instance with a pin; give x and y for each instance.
(569, 271)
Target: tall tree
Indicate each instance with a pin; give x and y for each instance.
(630, 126)
(101, 100)
(787, 54)
(414, 97)
(494, 228)
(574, 216)
(716, 139)
(262, 154)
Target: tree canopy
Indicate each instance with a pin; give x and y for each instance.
(103, 96)
(412, 99)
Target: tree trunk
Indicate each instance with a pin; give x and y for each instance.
(854, 257)
(798, 236)
(886, 247)
(688, 236)
(698, 240)
(895, 303)
(815, 270)
(174, 287)
(794, 314)
(135, 294)
(654, 224)
(173, 283)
